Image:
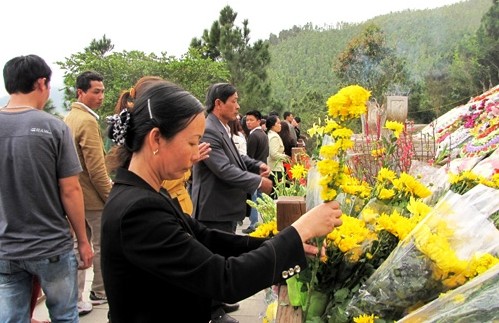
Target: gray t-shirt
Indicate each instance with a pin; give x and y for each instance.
(36, 149)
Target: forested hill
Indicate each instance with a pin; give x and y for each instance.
(302, 57)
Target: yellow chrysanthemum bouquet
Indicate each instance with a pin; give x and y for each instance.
(369, 233)
(327, 181)
(343, 107)
(454, 243)
(357, 248)
(393, 192)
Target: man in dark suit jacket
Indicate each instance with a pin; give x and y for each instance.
(257, 147)
(222, 183)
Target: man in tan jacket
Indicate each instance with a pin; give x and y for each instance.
(94, 180)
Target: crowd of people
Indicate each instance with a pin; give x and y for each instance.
(156, 215)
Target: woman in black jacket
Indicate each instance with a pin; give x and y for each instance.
(160, 265)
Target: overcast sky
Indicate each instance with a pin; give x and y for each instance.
(55, 29)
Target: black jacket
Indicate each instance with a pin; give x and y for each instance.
(160, 265)
(257, 145)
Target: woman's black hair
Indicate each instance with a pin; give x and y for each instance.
(270, 122)
(164, 105)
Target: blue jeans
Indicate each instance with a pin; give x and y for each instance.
(254, 213)
(57, 277)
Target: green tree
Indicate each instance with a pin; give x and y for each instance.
(488, 42)
(51, 108)
(475, 64)
(101, 46)
(465, 70)
(247, 63)
(310, 107)
(122, 69)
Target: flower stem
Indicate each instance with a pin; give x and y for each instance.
(313, 279)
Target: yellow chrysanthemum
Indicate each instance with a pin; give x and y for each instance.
(395, 126)
(495, 180)
(329, 151)
(364, 318)
(369, 215)
(342, 133)
(447, 266)
(346, 144)
(328, 167)
(466, 180)
(356, 94)
(481, 263)
(354, 187)
(265, 230)
(412, 186)
(328, 194)
(348, 103)
(351, 237)
(376, 153)
(386, 194)
(395, 223)
(298, 171)
(330, 126)
(418, 208)
(386, 174)
(453, 178)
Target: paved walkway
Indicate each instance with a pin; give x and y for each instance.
(249, 311)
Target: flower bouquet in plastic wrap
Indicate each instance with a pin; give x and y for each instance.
(474, 302)
(434, 178)
(465, 181)
(353, 252)
(454, 243)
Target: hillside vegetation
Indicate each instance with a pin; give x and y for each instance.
(303, 57)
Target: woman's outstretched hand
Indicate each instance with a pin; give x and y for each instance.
(318, 222)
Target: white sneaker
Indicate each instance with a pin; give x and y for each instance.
(84, 308)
